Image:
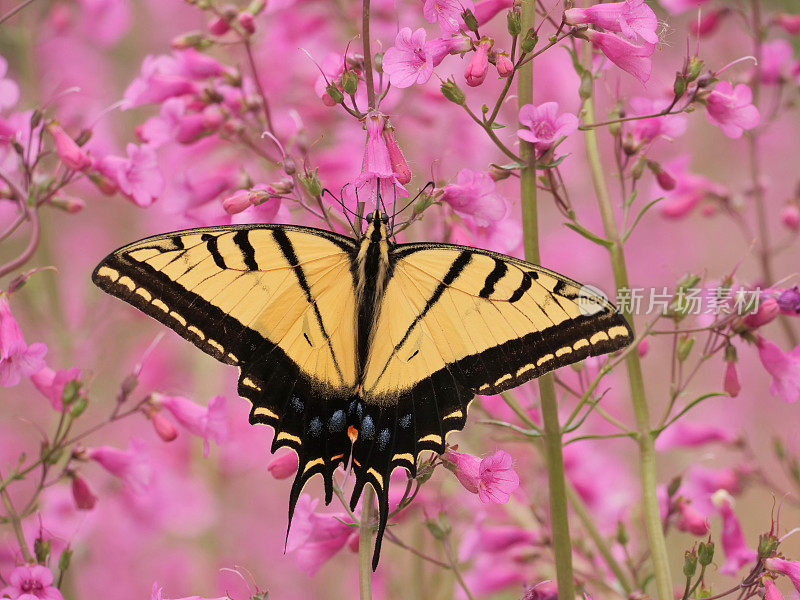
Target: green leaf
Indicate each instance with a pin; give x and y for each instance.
(592, 237)
(497, 126)
(638, 218)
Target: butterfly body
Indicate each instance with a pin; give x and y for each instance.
(360, 349)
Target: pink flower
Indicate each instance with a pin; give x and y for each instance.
(160, 78)
(709, 22)
(790, 568)
(685, 434)
(206, 422)
(544, 590)
(690, 519)
(543, 126)
(789, 23)
(492, 477)
(237, 202)
(766, 313)
(731, 380)
(315, 538)
(478, 66)
(475, 195)
(283, 466)
(627, 56)
(175, 124)
(504, 235)
(776, 57)
(9, 90)
(85, 498)
(644, 131)
(447, 13)
(689, 190)
(131, 466)
(784, 368)
(247, 21)
(790, 217)
(51, 383)
(68, 151)
(504, 65)
(731, 109)
(17, 359)
(137, 176)
(31, 583)
(408, 62)
(737, 554)
(631, 18)
(438, 48)
(486, 10)
(789, 301)
(163, 427)
(493, 540)
(771, 591)
(399, 165)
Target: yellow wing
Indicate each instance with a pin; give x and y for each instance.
(459, 318)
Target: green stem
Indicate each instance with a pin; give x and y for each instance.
(365, 544)
(559, 519)
(367, 56)
(16, 525)
(647, 453)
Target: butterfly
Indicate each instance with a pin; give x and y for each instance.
(360, 349)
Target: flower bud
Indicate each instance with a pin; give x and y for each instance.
(790, 217)
(504, 65)
(68, 151)
(163, 426)
(529, 43)
(695, 67)
(689, 563)
(238, 202)
(349, 82)
(128, 385)
(685, 344)
(514, 22)
(247, 22)
(622, 536)
(312, 184)
(69, 204)
(399, 165)
(219, 26)
(78, 407)
(289, 166)
(440, 529)
(643, 347)
(767, 544)
(498, 173)
(478, 66)
(705, 553)
(766, 313)
(377, 62)
(283, 466)
(679, 87)
(730, 382)
(41, 548)
(674, 486)
(470, 21)
(789, 301)
(452, 92)
(83, 495)
(193, 39)
(64, 560)
(334, 94)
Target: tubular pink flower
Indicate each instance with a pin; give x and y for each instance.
(9, 90)
(493, 478)
(543, 125)
(790, 568)
(31, 583)
(315, 538)
(709, 22)
(447, 13)
(630, 18)
(678, 6)
(644, 131)
(467, 467)
(247, 21)
(130, 466)
(730, 382)
(237, 202)
(731, 109)
(627, 56)
(493, 540)
(17, 359)
(85, 498)
(784, 368)
(474, 194)
(504, 65)
(208, 422)
(766, 313)
(771, 591)
(486, 10)
(163, 427)
(789, 23)
(68, 151)
(691, 520)
(790, 217)
(737, 554)
(408, 61)
(284, 465)
(690, 189)
(160, 78)
(478, 66)
(137, 176)
(218, 26)
(684, 434)
(376, 153)
(51, 383)
(776, 59)
(399, 165)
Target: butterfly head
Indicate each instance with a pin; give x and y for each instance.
(377, 226)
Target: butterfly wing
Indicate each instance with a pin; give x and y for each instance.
(276, 301)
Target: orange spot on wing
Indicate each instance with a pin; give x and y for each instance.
(352, 433)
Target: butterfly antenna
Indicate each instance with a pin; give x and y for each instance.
(430, 184)
(344, 208)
